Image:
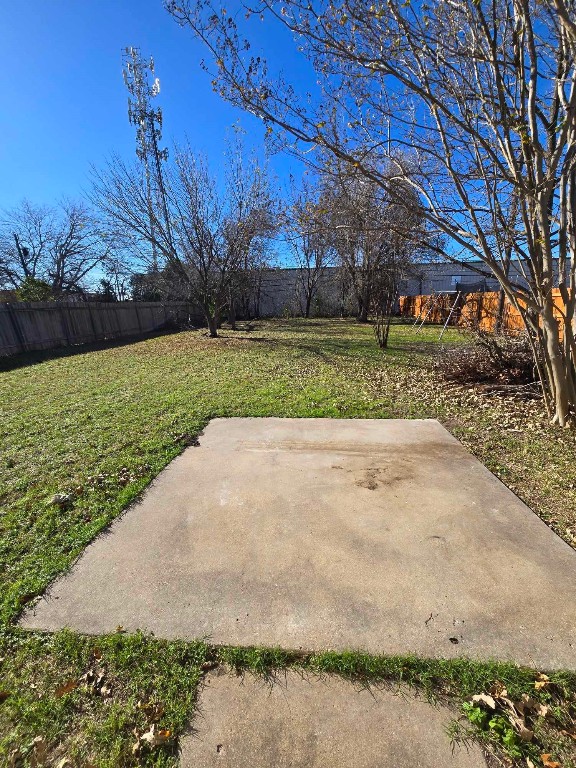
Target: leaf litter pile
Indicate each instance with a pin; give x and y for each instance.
(523, 728)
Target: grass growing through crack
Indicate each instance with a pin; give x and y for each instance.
(50, 697)
(98, 425)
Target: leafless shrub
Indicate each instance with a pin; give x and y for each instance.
(502, 361)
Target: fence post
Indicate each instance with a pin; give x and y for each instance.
(92, 323)
(12, 314)
(138, 316)
(65, 324)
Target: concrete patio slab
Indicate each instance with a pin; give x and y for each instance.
(386, 536)
(318, 723)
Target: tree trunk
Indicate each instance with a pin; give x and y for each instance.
(502, 294)
(232, 313)
(212, 325)
(308, 304)
(500, 311)
(362, 316)
(558, 373)
(363, 303)
(384, 319)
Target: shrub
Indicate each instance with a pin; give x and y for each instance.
(504, 359)
(32, 289)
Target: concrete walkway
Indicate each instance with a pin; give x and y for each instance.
(318, 723)
(387, 536)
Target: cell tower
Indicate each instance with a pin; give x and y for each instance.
(148, 122)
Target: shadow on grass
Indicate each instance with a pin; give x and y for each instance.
(327, 341)
(326, 349)
(25, 359)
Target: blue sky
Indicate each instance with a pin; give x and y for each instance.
(64, 103)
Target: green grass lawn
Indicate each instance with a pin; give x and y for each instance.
(98, 425)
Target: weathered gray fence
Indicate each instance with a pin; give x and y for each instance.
(30, 326)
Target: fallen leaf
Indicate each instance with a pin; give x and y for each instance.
(156, 736)
(39, 752)
(516, 715)
(105, 691)
(547, 762)
(525, 733)
(64, 763)
(541, 681)
(526, 705)
(15, 759)
(482, 698)
(498, 690)
(162, 735)
(94, 680)
(517, 722)
(66, 688)
(152, 738)
(4, 695)
(153, 711)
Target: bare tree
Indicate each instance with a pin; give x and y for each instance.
(376, 236)
(251, 220)
(482, 93)
(359, 231)
(118, 273)
(59, 245)
(308, 232)
(404, 248)
(203, 236)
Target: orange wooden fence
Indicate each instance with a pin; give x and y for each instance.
(474, 309)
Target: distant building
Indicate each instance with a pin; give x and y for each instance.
(443, 276)
(277, 292)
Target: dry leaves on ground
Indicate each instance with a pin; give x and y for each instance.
(152, 738)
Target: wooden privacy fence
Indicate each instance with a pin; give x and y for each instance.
(473, 310)
(30, 326)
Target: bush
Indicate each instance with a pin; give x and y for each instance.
(32, 289)
(504, 359)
